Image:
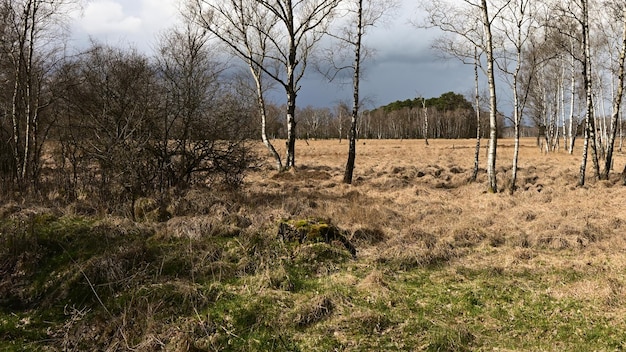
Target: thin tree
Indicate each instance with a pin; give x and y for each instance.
(359, 15)
(493, 109)
(572, 104)
(289, 29)
(349, 171)
(517, 26)
(477, 108)
(473, 24)
(616, 103)
(590, 140)
(425, 109)
(31, 41)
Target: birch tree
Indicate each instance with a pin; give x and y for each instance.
(517, 27)
(590, 129)
(356, 42)
(425, 110)
(493, 109)
(286, 33)
(477, 108)
(570, 20)
(617, 100)
(357, 16)
(472, 23)
(247, 29)
(31, 42)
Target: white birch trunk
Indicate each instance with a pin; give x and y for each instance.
(477, 104)
(348, 174)
(572, 131)
(425, 121)
(617, 100)
(590, 140)
(493, 121)
(562, 101)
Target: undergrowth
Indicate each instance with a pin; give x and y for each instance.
(72, 283)
(437, 268)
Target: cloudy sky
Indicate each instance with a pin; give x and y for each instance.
(403, 67)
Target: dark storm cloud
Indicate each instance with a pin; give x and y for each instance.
(403, 64)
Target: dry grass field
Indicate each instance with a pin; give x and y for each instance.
(407, 189)
(569, 241)
(441, 264)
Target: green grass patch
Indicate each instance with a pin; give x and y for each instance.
(130, 285)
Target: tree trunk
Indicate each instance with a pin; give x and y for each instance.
(292, 93)
(477, 102)
(516, 122)
(572, 131)
(263, 112)
(347, 177)
(563, 124)
(590, 132)
(601, 125)
(493, 122)
(291, 131)
(425, 120)
(17, 140)
(621, 132)
(348, 174)
(517, 106)
(616, 106)
(28, 114)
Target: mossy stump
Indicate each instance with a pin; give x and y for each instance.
(314, 230)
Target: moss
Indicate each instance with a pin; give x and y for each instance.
(314, 230)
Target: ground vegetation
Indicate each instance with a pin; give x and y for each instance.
(440, 263)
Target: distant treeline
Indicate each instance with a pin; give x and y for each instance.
(449, 116)
(449, 101)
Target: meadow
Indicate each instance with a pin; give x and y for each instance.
(441, 264)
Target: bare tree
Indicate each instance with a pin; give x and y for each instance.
(356, 42)
(247, 29)
(473, 25)
(287, 32)
(590, 128)
(477, 108)
(357, 16)
(31, 41)
(517, 27)
(493, 109)
(189, 82)
(425, 110)
(616, 102)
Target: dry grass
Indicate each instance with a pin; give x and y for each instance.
(405, 187)
(425, 212)
(441, 265)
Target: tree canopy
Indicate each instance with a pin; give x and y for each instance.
(449, 101)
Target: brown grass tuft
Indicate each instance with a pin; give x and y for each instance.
(311, 311)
